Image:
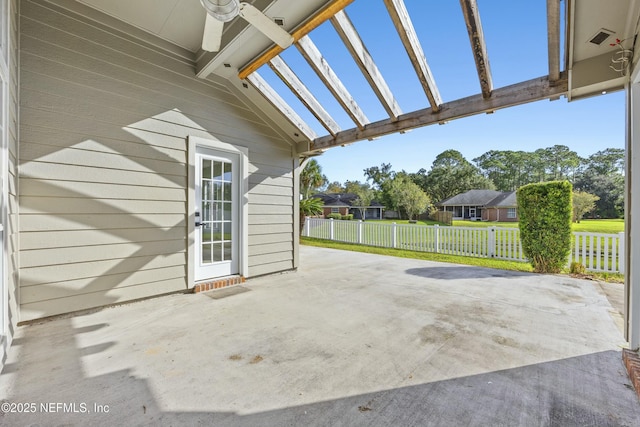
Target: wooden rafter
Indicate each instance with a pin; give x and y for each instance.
(478, 45)
(553, 38)
(274, 99)
(316, 20)
(407, 33)
(354, 44)
(322, 68)
(289, 78)
(521, 93)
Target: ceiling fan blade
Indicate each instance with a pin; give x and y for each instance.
(265, 25)
(212, 36)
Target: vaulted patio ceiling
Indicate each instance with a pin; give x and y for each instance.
(583, 70)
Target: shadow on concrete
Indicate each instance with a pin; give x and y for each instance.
(456, 272)
(577, 391)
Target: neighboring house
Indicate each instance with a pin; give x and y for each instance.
(502, 208)
(485, 205)
(342, 203)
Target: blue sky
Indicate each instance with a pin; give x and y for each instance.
(515, 32)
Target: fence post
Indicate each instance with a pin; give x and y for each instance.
(306, 226)
(394, 236)
(437, 242)
(331, 229)
(491, 242)
(622, 256)
(359, 231)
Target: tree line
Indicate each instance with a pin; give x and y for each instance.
(600, 175)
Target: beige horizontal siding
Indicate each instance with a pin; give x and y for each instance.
(70, 238)
(11, 267)
(42, 308)
(98, 191)
(41, 275)
(268, 268)
(103, 166)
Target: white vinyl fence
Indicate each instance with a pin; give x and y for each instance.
(597, 252)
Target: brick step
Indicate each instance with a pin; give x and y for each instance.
(631, 361)
(220, 283)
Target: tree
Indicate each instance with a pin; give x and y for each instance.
(607, 161)
(452, 174)
(311, 178)
(354, 186)
(393, 193)
(583, 203)
(363, 200)
(309, 207)
(412, 199)
(334, 187)
(379, 175)
(508, 170)
(560, 162)
(609, 189)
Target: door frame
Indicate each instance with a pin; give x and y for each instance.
(243, 202)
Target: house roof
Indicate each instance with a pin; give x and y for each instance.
(471, 197)
(342, 199)
(504, 200)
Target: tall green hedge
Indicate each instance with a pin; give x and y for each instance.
(545, 224)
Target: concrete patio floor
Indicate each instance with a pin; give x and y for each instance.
(349, 339)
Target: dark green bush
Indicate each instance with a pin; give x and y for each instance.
(347, 217)
(333, 216)
(545, 212)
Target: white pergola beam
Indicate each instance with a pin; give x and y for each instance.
(353, 42)
(521, 93)
(553, 38)
(406, 31)
(478, 45)
(292, 81)
(324, 71)
(274, 99)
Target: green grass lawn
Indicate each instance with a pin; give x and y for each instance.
(599, 225)
(589, 225)
(430, 256)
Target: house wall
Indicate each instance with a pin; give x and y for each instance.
(501, 214)
(103, 164)
(344, 210)
(11, 266)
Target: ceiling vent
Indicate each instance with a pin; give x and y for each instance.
(279, 21)
(601, 36)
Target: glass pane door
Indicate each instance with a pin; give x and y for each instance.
(216, 211)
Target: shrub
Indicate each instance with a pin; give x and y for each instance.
(347, 217)
(576, 268)
(333, 216)
(545, 213)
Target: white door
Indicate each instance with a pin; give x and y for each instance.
(216, 214)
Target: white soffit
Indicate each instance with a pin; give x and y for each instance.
(590, 16)
(180, 22)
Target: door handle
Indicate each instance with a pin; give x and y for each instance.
(198, 224)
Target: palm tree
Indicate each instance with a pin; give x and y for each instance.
(309, 207)
(311, 178)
